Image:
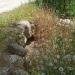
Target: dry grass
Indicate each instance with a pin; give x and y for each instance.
(52, 44)
(43, 19)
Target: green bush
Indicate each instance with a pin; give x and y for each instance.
(65, 7)
(54, 53)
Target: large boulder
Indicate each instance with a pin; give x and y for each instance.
(14, 48)
(27, 31)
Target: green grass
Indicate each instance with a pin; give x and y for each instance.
(6, 18)
(22, 12)
(49, 59)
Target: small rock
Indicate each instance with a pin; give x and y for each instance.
(14, 48)
(67, 57)
(16, 60)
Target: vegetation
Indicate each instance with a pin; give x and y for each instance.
(65, 7)
(6, 19)
(23, 12)
(54, 45)
(54, 49)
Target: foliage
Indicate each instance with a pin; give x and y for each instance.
(54, 46)
(54, 49)
(22, 12)
(65, 7)
(7, 18)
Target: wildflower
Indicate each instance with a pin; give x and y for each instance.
(67, 46)
(73, 58)
(63, 73)
(46, 58)
(20, 72)
(30, 63)
(41, 61)
(55, 61)
(50, 64)
(70, 68)
(67, 58)
(60, 35)
(55, 46)
(58, 56)
(61, 69)
(55, 67)
(42, 68)
(38, 68)
(66, 39)
(70, 40)
(43, 73)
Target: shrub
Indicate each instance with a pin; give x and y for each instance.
(65, 7)
(53, 53)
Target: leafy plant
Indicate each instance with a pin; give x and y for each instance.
(65, 7)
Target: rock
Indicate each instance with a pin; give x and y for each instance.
(73, 58)
(4, 60)
(17, 71)
(3, 70)
(14, 48)
(16, 60)
(10, 71)
(25, 26)
(67, 58)
(65, 22)
(27, 30)
(21, 72)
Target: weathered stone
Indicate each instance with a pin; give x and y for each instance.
(3, 70)
(14, 48)
(10, 71)
(27, 31)
(67, 58)
(4, 59)
(21, 72)
(16, 60)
